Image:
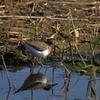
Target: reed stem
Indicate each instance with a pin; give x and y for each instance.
(6, 71)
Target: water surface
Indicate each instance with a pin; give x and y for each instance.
(75, 87)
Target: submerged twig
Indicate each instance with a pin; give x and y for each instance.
(6, 71)
(88, 88)
(94, 90)
(62, 87)
(8, 94)
(95, 83)
(76, 82)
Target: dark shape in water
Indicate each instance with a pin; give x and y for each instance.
(36, 81)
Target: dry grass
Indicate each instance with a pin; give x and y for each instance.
(41, 20)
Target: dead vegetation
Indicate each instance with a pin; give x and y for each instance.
(48, 19)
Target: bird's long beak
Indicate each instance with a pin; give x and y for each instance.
(56, 46)
(51, 44)
(50, 86)
(54, 84)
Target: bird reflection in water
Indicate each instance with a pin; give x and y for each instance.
(36, 81)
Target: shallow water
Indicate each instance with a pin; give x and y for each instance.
(77, 86)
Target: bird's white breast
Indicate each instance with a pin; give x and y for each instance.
(36, 52)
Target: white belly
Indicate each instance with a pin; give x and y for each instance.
(35, 52)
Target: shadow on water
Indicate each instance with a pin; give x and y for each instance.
(31, 85)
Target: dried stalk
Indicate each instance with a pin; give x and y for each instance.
(80, 54)
(59, 2)
(37, 17)
(65, 68)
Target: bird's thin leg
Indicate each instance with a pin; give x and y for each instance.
(31, 70)
(32, 63)
(45, 70)
(39, 69)
(41, 62)
(40, 66)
